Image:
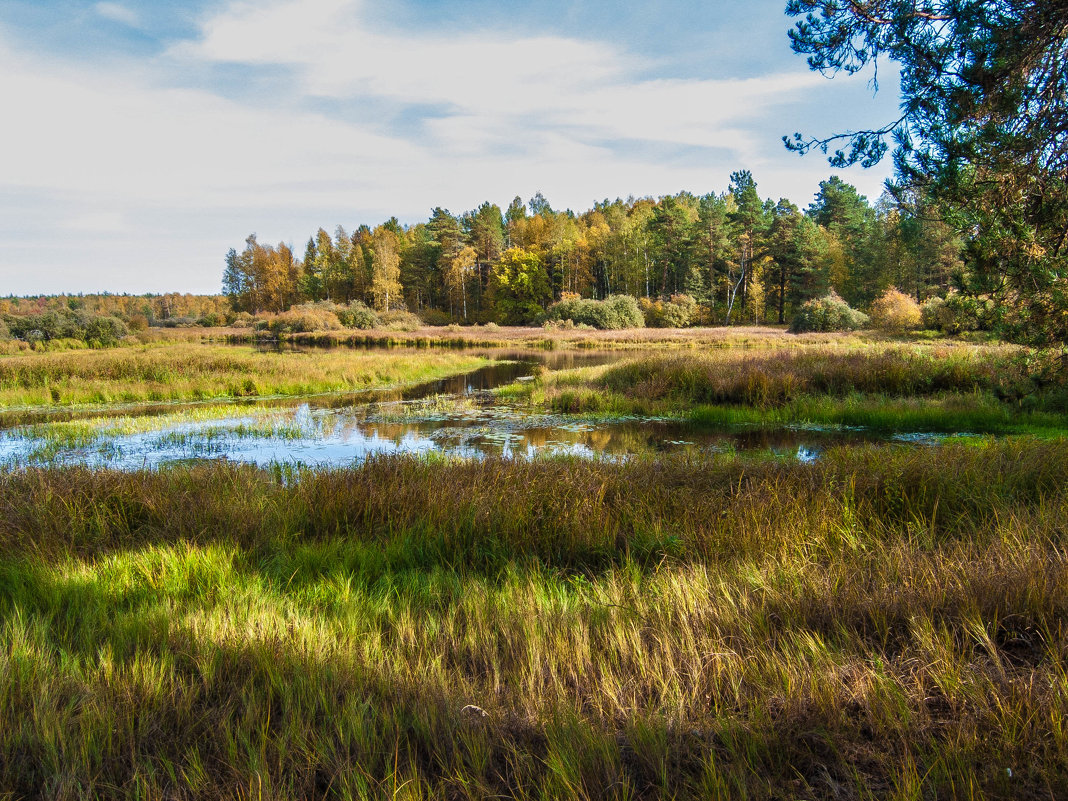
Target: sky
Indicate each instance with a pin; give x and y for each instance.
(143, 139)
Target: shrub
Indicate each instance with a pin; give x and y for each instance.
(930, 312)
(612, 313)
(177, 322)
(626, 310)
(357, 315)
(678, 312)
(829, 313)
(66, 324)
(957, 313)
(105, 331)
(138, 322)
(5, 334)
(896, 312)
(241, 320)
(309, 317)
(211, 320)
(399, 320)
(435, 317)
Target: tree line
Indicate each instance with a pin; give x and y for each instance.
(740, 258)
(172, 308)
(104, 319)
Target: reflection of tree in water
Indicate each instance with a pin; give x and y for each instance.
(345, 429)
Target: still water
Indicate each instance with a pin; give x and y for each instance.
(457, 417)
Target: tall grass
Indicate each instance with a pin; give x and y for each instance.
(978, 389)
(747, 337)
(771, 378)
(182, 371)
(887, 623)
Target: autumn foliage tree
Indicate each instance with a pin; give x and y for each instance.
(732, 255)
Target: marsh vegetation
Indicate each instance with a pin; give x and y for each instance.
(185, 371)
(883, 623)
(691, 621)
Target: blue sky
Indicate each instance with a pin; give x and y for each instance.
(144, 139)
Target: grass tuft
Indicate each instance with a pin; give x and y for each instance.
(887, 622)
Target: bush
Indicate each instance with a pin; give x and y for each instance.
(435, 317)
(241, 320)
(930, 312)
(399, 320)
(67, 324)
(357, 315)
(211, 320)
(138, 322)
(613, 313)
(177, 322)
(896, 312)
(626, 311)
(308, 317)
(829, 313)
(570, 307)
(678, 312)
(957, 313)
(105, 331)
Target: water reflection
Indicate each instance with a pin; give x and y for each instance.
(456, 417)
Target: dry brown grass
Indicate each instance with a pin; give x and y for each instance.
(179, 370)
(763, 337)
(888, 623)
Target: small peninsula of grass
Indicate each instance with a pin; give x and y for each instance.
(183, 371)
(887, 386)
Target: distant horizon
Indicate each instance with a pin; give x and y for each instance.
(152, 137)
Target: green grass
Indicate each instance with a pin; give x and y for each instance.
(255, 420)
(973, 413)
(983, 389)
(182, 371)
(885, 623)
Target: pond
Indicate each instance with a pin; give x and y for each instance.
(455, 417)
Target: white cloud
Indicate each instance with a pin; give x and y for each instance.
(498, 85)
(118, 13)
(111, 135)
(132, 154)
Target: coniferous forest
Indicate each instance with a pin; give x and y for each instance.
(727, 258)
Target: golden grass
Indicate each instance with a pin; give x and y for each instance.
(643, 338)
(887, 623)
(184, 371)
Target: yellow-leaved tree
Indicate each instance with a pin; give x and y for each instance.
(385, 276)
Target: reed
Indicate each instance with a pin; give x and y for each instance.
(772, 378)
(977, 389)
(885, 623)
(743, 337)
(183, 371)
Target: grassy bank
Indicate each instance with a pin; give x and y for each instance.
(183, 371)
(983, 389)
(554, 338)
(886, 623)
